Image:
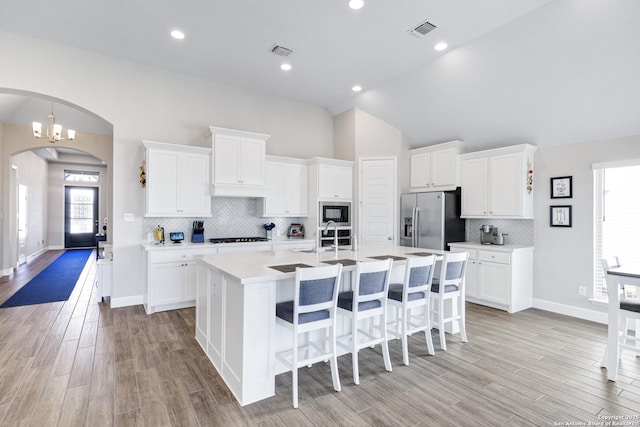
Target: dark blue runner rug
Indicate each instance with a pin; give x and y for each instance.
(54, 283)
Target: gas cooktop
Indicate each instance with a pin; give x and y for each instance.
(238, 239)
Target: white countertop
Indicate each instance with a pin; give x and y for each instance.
(253, 267)
(499, 248)
(168, 245)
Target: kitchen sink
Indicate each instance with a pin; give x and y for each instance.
(345, 261)
(318, 250)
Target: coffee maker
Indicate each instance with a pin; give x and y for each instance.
(490, 235)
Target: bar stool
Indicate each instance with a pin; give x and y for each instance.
(368, 300)
(450, 286)
(313, 308)
(413, 293)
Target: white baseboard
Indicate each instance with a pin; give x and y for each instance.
(570, 310)
(35, 255)
(6, 271)
(127, 301)
(54, 248)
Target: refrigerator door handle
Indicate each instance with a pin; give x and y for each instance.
(416, 227)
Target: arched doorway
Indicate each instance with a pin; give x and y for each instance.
(91, 149)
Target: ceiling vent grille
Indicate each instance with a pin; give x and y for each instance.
(422, 29)
(281, 50)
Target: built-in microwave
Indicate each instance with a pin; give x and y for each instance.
(338, 212)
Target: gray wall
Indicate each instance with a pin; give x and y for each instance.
(563, 258)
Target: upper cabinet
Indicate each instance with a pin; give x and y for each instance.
(239, 162)
(334, 178)
(498, 183)
(286, 194)
(177, 180)
(436, 168)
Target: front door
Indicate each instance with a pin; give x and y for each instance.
(377, 200)
(80, 217)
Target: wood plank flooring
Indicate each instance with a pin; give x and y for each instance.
(78, 363)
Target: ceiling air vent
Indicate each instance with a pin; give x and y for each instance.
(281, 50)
(422, 29)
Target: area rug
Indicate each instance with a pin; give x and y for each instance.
(54, 283)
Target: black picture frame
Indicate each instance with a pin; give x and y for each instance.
(562, 187)
(560, 216)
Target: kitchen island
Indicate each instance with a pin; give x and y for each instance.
(235, 308)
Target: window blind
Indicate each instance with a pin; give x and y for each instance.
(617, 219)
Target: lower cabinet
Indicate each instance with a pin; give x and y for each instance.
(104, 272)
(171, 278)
(499, 276)
(171, 273)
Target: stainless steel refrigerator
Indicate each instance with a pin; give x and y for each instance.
(431, 220)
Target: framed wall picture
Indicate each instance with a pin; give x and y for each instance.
(560, 216)
(562, 187)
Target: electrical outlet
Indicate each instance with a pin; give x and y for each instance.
(582, 291)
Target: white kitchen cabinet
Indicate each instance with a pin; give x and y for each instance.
(496, 183)
(436, 168)
(286, 193)
(104, 274)
(171, 277)
(239, 162)
(177, 180)
(335, 181)
(498, 276)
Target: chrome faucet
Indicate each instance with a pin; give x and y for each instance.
(335, 233)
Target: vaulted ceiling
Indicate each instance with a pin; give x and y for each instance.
(544, 72)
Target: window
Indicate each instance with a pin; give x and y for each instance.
(617, 224)
(81, 176)
(81, 210)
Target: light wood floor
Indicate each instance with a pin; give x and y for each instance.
(79, 362)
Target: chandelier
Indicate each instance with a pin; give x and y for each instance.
(54, 131)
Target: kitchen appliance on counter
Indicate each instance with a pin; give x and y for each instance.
(431, 220)
(338, 212)
(296, 231)
(176, 237)
(158, 235)
(490, 235)
(237, 239)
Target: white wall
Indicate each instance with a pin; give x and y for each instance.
(357, 135)
(147, 103)
(563, 257)
(32, 172)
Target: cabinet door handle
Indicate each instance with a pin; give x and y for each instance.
(336, 195)
(240, 181)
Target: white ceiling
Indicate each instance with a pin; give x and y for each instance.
(536, 71)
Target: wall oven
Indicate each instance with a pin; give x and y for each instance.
(338, 212)
(344, 237)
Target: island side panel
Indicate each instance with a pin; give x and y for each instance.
(202, 313)
(248, 355)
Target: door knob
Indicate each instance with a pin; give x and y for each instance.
(389, 238)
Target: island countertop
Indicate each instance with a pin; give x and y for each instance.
(236, 297)
(255, 267)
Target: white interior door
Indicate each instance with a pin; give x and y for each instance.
(378, 200)
(23, 192)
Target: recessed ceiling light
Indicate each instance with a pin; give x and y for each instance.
(441, 46)
(177, 34)
(356, 88)
(356, 4)
(285, 67)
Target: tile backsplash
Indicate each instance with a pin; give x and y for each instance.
(520, 231)
(232, 217)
